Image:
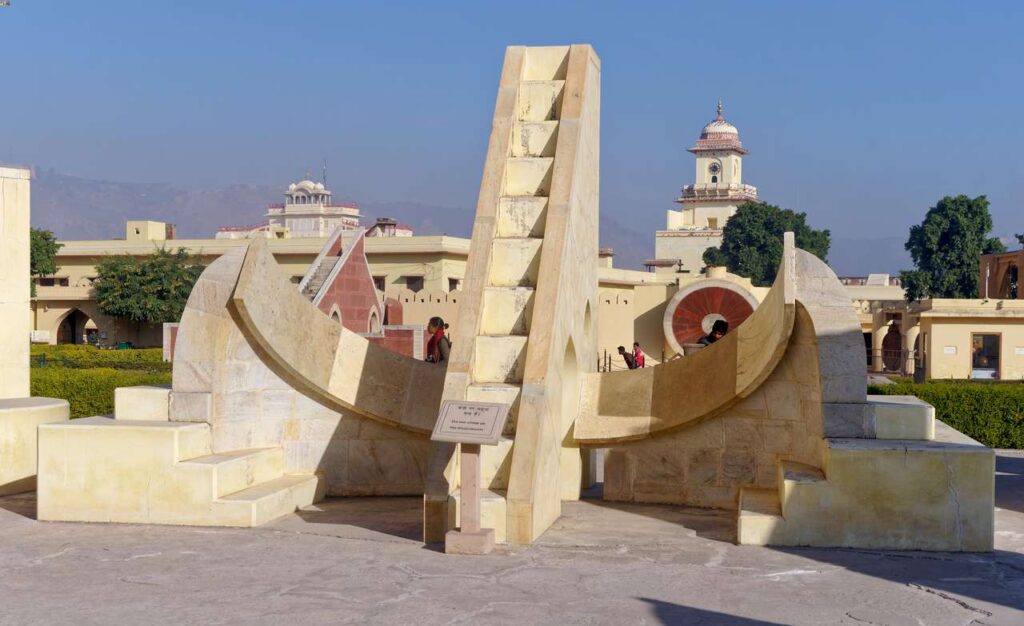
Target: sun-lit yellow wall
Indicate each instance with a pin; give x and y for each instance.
(949, 347)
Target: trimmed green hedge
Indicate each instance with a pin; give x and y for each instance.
(90, 391)
(992, 413)
(83, 356)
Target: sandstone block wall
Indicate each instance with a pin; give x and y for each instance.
(706, 464)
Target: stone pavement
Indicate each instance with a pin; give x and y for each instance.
(358, 561)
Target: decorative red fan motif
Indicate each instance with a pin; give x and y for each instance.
(695, 307)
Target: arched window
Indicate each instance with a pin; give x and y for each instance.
(714, 179)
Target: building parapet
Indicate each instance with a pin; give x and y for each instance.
(703, 192)
(961, 307)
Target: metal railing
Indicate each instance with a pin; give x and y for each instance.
(897, 362)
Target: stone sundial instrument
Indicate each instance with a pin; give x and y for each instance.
(275, 405)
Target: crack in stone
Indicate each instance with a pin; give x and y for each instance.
(951, 477)
(946, 596)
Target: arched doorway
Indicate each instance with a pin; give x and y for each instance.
(77, 328)
(892, 349)
(572, 454)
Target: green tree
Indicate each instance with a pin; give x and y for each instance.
(945, 248)
(752, 241)
(153, 289)
(43, 251)
(1020, 239)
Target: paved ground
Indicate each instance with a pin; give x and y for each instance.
(357, 561)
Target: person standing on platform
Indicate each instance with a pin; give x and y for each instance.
(638, 356)
(627, 357)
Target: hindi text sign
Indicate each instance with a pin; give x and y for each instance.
(470, 422)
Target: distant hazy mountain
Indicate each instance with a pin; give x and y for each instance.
(860, 257)
(80, 208)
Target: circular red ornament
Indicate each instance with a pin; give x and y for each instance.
(695, 308)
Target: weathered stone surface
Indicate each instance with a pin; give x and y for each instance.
(847, 420)
(19, 421)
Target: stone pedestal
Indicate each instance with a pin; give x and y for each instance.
(470, 538)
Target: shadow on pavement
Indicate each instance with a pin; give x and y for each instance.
(964, 578)
(23, 504)
(670, 613)
(398, 516)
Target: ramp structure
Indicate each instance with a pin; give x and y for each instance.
(275, 404)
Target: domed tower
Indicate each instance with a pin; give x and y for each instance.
(708, 203)
(308, 211)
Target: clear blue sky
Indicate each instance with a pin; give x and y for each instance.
(860, 114)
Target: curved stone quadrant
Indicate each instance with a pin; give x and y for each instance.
(264, 367)
(801, 451)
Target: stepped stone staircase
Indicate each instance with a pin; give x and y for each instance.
(311, 288)
(155, 471)
(504, 270)
(506, 311)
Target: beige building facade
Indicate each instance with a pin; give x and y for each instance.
(950, 338)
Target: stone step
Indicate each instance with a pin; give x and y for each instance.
(521, 216)
(234, 471)
(492, 511)
(20, 419)
(793, 476)
(506, 310)
(502, 393)
(495, 464)
(546, 63)
(267, 501)
(514, 262)
(902, 417)
(142, 402)
(540, 100)
(534, 139)
(160, 442)
(759, 516)
(528, 176)
(499, 359)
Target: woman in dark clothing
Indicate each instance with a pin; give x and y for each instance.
(439, 346)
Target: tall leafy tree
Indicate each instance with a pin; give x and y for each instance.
(752, 241)
(43, 252)
(153, 289)
(945, 248)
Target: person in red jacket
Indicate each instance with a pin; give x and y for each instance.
(638, 356)
(439, 346)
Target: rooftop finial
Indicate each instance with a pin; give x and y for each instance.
(720, 107)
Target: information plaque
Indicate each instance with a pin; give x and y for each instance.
(470, 422)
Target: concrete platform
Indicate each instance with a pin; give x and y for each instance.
(359, 561)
